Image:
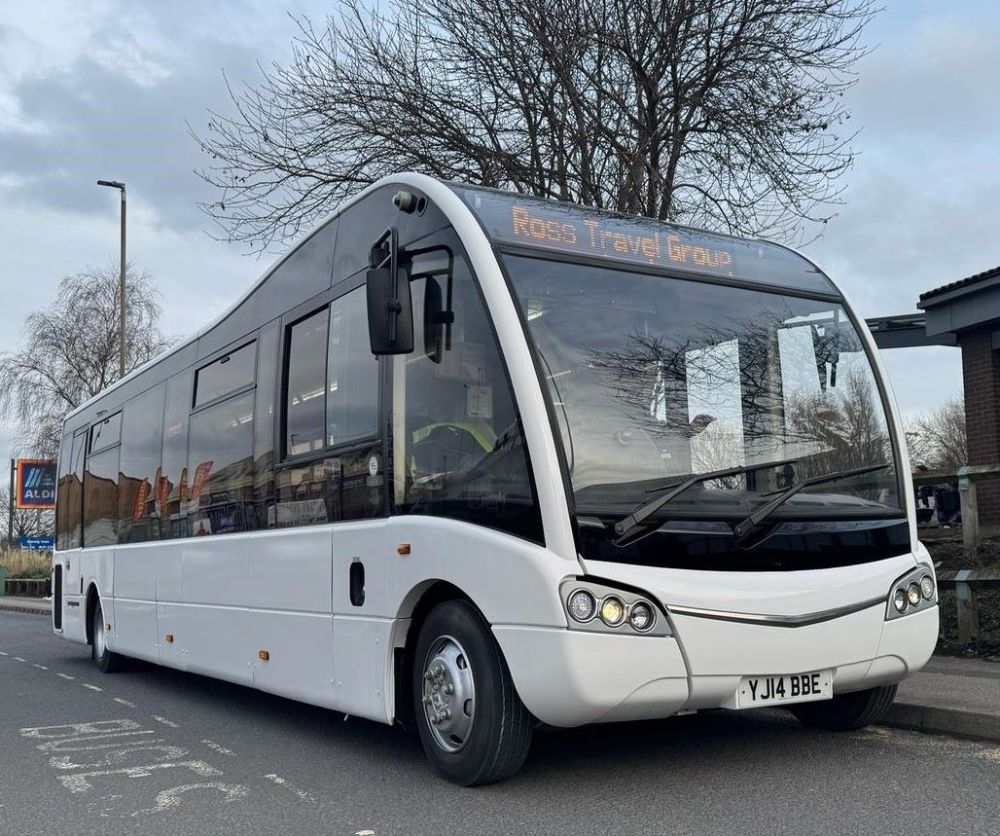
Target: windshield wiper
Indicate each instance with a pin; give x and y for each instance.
(627, 526)
(745, 526)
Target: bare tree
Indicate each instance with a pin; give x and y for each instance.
(938, 440)
(726, 114)
(70, 351)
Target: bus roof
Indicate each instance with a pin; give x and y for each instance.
(515, 220)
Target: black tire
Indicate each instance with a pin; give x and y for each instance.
(494, 741)
(106, 661)
(848, 711)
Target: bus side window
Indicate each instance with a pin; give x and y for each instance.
(331, 432)
(63, 491)
(220, 447)
(263, 427)
(100, 483)
(457, 436)
(172, 487)
(142, 430)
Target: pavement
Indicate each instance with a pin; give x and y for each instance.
(954, 696)
(158, 751)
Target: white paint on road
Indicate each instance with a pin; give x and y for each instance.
(19, 659)
(168, 799)
(222, 750)
(92, 687)
(65, 676)
(3, 654)
(40, 667)
(166, 722)
(281, 782)
(79, 782)
(120, 701)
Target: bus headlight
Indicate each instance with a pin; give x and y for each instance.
(581, 605)
(612, 611)
(640, 616)
(913, 592)
(596, 607)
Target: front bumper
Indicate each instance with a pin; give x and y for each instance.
(571, 677)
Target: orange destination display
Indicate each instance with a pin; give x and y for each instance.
(516, 220)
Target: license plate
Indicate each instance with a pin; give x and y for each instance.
(755, 691)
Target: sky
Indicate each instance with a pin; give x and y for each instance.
(106, 88)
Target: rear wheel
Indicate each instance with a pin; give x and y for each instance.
(103, 657)
(471, 722)
(848, 711)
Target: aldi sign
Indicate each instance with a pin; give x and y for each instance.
(36, 484)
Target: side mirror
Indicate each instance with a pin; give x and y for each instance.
(390, 311)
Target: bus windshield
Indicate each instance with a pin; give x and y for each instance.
(654, 379)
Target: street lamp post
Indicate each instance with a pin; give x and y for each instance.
(115, 184)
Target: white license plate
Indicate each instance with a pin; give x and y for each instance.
(755, 691)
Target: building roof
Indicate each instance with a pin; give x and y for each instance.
(961, 284)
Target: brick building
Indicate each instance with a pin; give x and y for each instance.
(967, 313)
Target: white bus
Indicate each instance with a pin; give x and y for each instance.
(477, 462)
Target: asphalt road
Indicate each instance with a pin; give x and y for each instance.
(174, 753)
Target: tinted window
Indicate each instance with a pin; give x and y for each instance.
(305, 413)
(263, 432)
(62, 489)
(220, 461)
(100, 499)
(461, 450)
(352, 372)
(331, 489)
(106, 432)
(74, 514)
(142, 433)
(227, 374)
(171, 493)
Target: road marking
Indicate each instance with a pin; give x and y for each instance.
(3, 654)
(40, 667)
(91, 687)
(123, 702)
(365, 833)
(65, 676)
(78, 782)
(167, 799)
(281, 782)
(222, 750)
(19, 659)
(166, 722)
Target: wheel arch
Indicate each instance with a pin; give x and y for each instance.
(93, 597)
(416, 605)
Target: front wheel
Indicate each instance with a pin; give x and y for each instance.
(848, 711)
(103, 657)
(471, 722)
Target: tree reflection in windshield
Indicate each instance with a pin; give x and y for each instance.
(656, 377)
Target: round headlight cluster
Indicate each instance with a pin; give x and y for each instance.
(583, 606)
(912, 592)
